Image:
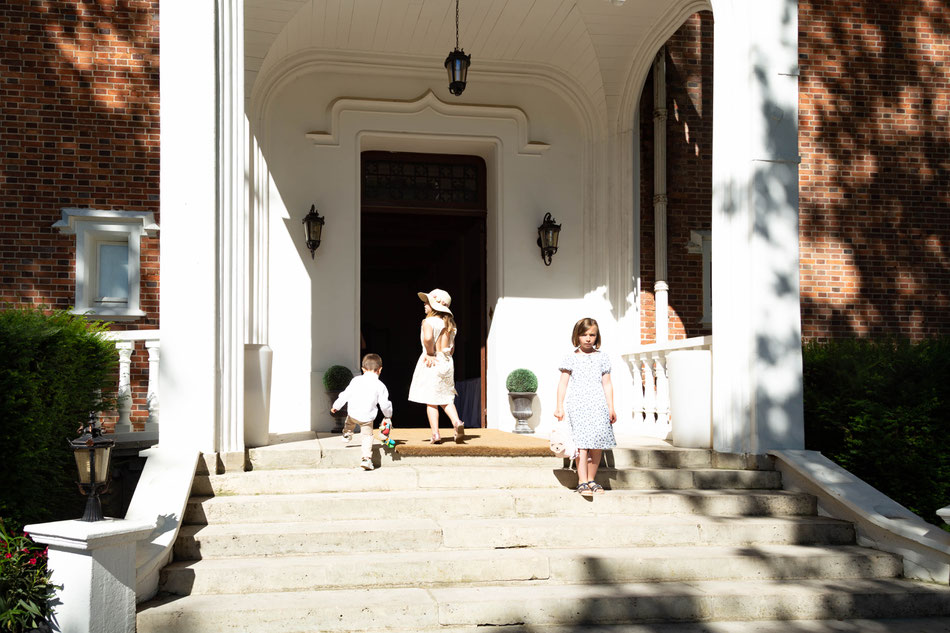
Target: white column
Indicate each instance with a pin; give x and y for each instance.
(231, 231)
(202, 190)
(757, 370)
(124, 394)
(95, 564)
(660, 288)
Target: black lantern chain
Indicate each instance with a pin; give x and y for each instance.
(457, 62)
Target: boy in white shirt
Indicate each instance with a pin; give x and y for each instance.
(363, 395)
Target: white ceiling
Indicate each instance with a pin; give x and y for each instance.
(593, 42)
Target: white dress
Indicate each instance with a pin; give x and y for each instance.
(586, 406)
(436, 384)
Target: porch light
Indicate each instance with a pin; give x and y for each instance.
(457, 62)
(93, 455)
(548, 233)
(313, 229)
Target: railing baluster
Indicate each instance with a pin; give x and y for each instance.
(649, 390)
(637, 390)
(152, 396)
(662, 389)
(124, 393)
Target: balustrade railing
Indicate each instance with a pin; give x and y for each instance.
(127, 344)
(651, 392)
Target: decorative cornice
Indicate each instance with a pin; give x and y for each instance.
(275, 75)
(72, 215)
(428, 101)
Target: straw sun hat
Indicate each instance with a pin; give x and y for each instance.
(439, 299)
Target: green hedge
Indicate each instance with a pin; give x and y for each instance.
(881, 409)
(54, 369)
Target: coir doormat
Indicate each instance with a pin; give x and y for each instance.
(481, 442)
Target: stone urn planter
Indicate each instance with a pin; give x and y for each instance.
(335, 380)
(522, 387)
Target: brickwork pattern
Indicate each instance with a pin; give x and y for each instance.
(689, 178)
(875, 147)
(79, 127)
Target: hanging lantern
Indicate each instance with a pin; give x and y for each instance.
(457, 62)
(313, 229)
(548, 234)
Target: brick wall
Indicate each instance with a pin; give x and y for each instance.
(79, 127)
(689, 177)
(875, 147)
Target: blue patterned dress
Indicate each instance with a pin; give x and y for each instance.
(586, 404)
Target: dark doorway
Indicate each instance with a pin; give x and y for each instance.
(423, 227)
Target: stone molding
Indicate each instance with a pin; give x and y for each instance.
(429, 101)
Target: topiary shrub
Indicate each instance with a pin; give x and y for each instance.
(336, 378)
(881, 409)
(522, 381)
(54, 370)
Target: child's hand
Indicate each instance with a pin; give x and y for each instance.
(613, 416)
(332, 410)
(559, 413)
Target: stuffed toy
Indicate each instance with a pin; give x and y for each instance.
(385, 428)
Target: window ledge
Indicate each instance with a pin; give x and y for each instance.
(109, 314)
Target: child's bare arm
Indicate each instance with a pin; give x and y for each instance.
(609, 394)
(561, 391)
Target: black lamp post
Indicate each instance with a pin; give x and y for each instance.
(93, 455)
(313, 229)
(548, 233)
(457, 62)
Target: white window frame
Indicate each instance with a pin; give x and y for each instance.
(93, 227)
(700, 243)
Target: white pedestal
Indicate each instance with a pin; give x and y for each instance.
(258, 362)
(95, 565)
(690, 373)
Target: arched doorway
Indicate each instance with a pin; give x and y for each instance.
(422, 226)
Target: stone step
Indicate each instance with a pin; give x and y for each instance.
(889, 625)
(438, 477)
(415, 609)
(331, 452)
(449, 567)
(491, 503)
(387, 535)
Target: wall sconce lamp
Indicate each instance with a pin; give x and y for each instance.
(93, 455)
(313, 229)
(548, 233)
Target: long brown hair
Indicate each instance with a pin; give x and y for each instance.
(582, 326)
(449, 326)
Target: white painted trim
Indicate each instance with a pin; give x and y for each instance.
(664, 28)
(72, 215)
(291, 67)
(93, 227)
(428, 101)
(133, 335)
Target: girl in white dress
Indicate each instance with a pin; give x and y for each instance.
(433, 381)
(585, 381)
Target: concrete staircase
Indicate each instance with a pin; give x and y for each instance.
(684, 540)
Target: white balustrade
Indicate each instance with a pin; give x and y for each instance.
(651, 382)
(124, 393)
(126, 345)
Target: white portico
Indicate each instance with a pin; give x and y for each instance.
(269, 107)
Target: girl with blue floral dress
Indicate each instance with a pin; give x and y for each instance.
(585, 381)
